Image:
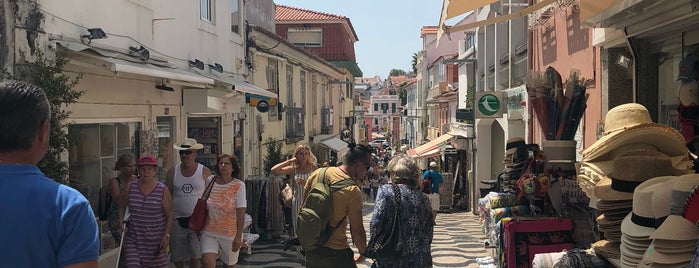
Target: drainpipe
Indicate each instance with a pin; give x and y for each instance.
(631, 44)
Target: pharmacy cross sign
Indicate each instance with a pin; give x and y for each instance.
(488, 104)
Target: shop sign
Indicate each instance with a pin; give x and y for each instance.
(262, 103)
(489, 104)
(346, 135)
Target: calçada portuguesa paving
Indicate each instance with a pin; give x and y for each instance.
(458, 241)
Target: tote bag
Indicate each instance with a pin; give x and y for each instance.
(198, 218)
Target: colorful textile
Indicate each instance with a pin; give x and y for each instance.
(523, 239)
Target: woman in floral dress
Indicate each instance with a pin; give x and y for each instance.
(415, 211)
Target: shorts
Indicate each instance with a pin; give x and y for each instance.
(434, 200)
(221, 246)
(184, 244)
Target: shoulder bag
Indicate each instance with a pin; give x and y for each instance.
(198, 218)
(388, 243)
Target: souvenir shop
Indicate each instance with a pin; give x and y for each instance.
(629, 202)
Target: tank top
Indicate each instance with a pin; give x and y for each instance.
(186, 191)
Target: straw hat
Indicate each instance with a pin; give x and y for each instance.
(640, 223)
(607, 249)
(652, 257)
(676, 227)
(629, 172)
(631, 124)
(188, 144)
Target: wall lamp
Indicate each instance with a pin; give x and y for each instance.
(197, 64)
(216, 67)
(163, 86)
(95, 33)
(141, 52)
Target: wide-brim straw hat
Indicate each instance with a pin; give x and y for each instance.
(188, 144)
(629, 172)
(629, 124)
(676, 227)
(652, 256)
(607, 249)
(636, 243)
(641, 221)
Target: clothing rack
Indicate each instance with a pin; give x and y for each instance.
(263, 205)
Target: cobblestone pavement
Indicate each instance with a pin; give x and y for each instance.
(458, 241)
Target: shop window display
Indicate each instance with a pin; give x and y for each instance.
(93, 151)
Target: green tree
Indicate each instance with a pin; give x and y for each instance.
(396, 72)
(414, 63)
(402, 94)
(60, 90)
(274, 153)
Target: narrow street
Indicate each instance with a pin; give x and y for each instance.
(458, 241)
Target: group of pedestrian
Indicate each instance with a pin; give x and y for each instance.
(157, 214)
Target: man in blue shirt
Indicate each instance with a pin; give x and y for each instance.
(44, 223)
(436, 186)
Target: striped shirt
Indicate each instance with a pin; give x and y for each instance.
(146, 228)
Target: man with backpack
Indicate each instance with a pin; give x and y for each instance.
(435, 178)
(331, 199)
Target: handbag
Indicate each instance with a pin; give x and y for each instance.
(389, 242)
(287, 194)
(198, 218)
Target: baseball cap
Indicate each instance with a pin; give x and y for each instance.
(433, 164)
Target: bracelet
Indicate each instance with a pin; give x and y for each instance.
(167, 236)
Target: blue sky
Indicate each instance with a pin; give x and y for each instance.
(388, 30)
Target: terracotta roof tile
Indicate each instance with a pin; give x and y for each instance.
(428, 30)
(287, 13)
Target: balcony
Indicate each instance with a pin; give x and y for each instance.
(326, 123)
(294, 124)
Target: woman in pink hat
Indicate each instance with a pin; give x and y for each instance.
(147, 231)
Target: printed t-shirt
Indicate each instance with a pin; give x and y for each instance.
(222, 204)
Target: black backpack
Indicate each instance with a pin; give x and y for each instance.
(426, 184)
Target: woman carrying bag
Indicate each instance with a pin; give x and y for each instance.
(222, 234)
(410, 208)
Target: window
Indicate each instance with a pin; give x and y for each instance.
(272, 73)
(376, 107)
(290, 86)
(393, 107)
(93, 151)
(235, 16)
(302, 81)
(323, 88)
(206, 10)
(306, 37)
(314, 94)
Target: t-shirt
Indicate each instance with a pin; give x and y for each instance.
(44, 223)
(436, 180)
(345, 200)
(222, 204)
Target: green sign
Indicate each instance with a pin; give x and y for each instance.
(488, 104)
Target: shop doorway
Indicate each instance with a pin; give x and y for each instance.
(207, 131)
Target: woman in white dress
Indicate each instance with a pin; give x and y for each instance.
(299, 167)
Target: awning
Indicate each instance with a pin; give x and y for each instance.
(426, 148)
(335, 144)
(446, 6)
(594, 11)
(118, 62)
(240, 86)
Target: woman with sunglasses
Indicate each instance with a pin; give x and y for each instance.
(300, 166)
(222, 235)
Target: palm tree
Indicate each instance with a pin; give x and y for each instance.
(414, 63)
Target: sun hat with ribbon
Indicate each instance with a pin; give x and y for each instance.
(676, 227)
(629, 124)
(640, 223)
(188, 144)
(630, 170)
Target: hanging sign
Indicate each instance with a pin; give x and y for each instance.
(489, 104)
(262, 103)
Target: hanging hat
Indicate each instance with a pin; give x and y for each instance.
(640, 223)
(688, 68)
(631, 124)
(147, 160)
(630, 170)
(188, 144)
(676, 227)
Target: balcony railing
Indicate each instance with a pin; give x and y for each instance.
(294, 124)
(326, 124)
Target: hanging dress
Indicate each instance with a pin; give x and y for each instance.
(145, 228)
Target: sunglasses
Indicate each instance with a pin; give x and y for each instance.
(186, 152)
